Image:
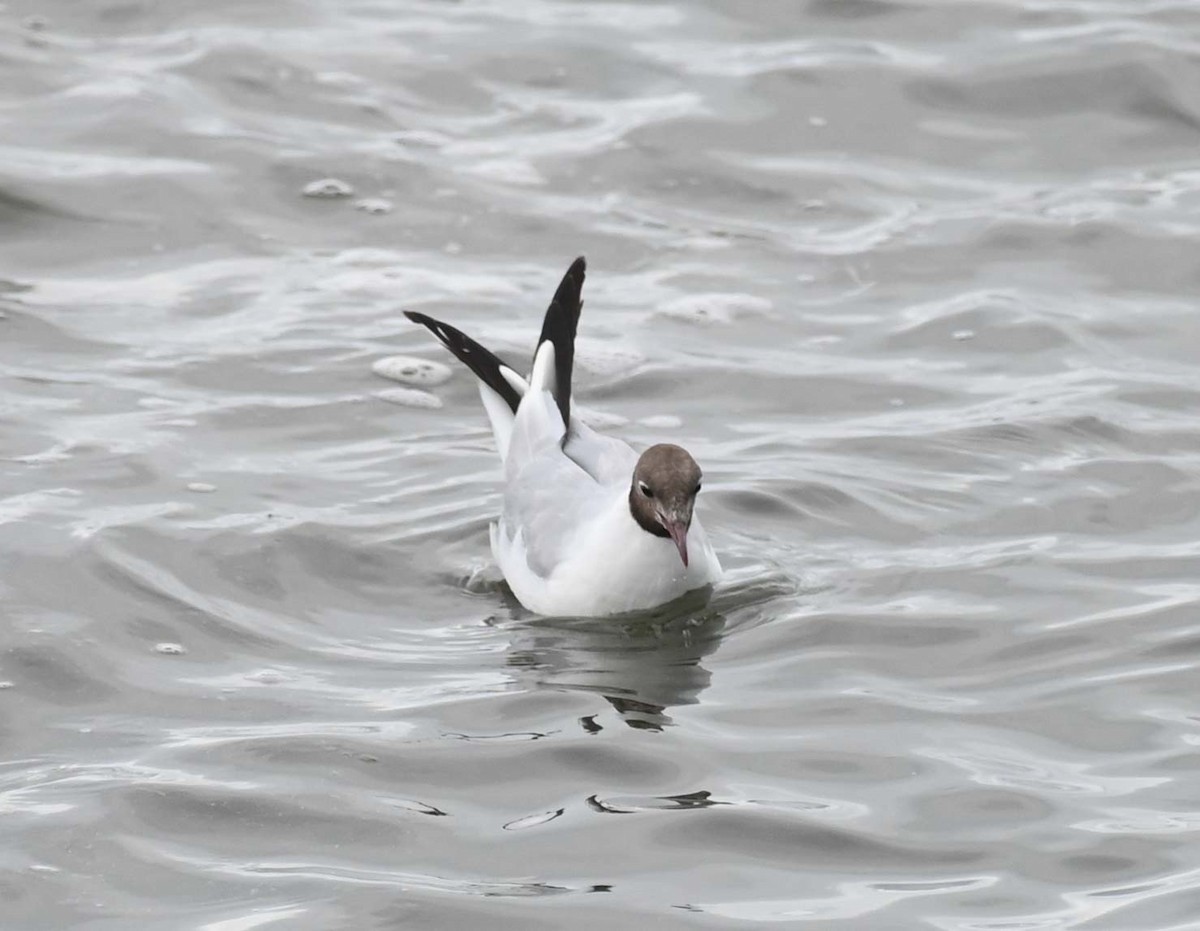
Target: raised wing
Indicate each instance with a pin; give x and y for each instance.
(558, 330)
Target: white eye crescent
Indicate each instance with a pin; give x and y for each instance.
(645, 489)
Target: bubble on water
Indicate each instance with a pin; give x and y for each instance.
(410, 370)
(201, 487)
(662, 422)
(170, 649)
(411, 397)
(373, 205)
(328, 188)
(6, 684)
(961, 335)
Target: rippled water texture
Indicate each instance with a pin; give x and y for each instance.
(914, 281)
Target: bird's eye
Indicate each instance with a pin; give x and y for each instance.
(697, 491)
(645, 489)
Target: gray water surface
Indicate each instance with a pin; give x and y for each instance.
(915, 282)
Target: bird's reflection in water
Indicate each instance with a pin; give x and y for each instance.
(641, 665)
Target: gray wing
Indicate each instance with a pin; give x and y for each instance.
(546, 503)
(555, 484)
(605, 458)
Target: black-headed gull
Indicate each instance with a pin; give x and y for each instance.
(589, 528)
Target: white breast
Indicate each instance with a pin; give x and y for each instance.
(611, 566)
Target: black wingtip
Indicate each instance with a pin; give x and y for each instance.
(559, 326)
(483, 362)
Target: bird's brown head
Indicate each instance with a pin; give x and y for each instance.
(666, 481)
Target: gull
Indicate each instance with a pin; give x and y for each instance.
(588, 527)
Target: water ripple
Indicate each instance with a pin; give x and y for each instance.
(915, 282)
